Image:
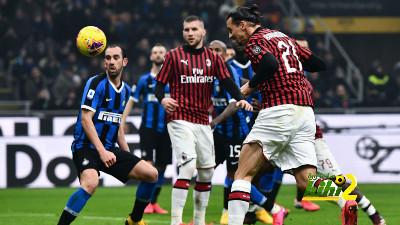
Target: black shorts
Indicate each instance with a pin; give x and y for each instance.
(88, 158)
(151, 140)
(227, 148)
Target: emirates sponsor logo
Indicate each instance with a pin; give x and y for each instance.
(196, 79)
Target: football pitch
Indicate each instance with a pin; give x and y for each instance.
(111, 206)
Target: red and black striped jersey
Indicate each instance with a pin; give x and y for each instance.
(288, 85)
(191, 74)
(318, 132)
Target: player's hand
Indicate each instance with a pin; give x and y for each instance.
(246, 90)
(256, 105)
(213, 124)
(108, 158)
(244, 104)
(169, 104)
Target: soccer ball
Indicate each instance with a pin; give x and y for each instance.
(340, 180)
(91, 41)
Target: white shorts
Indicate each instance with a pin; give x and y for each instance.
(286, 133)
(192, 141)
(326, 163)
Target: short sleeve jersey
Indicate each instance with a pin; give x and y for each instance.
(108, 103)
(288, 85)
(191, 74)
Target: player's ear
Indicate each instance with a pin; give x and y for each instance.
(204, 32)
(125, 61)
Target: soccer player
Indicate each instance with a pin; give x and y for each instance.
(327, 165)
(190, 71)
(96, 133)
(230, 129)
(153, 129)
(230, 52)
(283, 133)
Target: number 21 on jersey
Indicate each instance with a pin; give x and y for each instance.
(286, 53)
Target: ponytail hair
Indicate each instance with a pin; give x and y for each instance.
(243, 13)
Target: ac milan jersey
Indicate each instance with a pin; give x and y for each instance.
(191, 74)
(108, 103)
(318, 132)
(288, 85)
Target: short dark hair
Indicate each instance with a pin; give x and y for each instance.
(113, 45)
(192, 18)
(249, 14)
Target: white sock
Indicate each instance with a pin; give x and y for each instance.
(239, 201)
(201, 194)
(252, 207)
(178, 200)
(366, 205)
(275, 209)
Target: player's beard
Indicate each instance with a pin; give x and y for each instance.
(194, 44)
(114, 74)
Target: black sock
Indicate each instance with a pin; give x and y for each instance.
(138, 210)
(156, 193)
(300, 194)
(66, 218)
(275, 190)
(227, 191)
(268, 205)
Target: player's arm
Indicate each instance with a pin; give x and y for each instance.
(310, 61)
(126, 113)
(107, 157)
(314, 64)
(267, 67)
(169, 104)
(162, 78)
(234, 91)
(228, 112)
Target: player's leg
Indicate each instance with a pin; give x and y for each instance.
(251, 159)
(86, 163)
(147, 146)
(205, 168)
(129, 166)
(327, 165)
(366, 205)
(163, 158)
(221, 148)
(183, 145)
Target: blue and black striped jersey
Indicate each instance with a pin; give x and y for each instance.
(246, 72)
(108, 104)
(238, 125)
(154, 115)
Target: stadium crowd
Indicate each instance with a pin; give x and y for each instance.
(40, 63)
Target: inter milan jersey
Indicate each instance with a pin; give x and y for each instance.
(288, 85)
(191, 74)
(108, 103)
(245, 71)
(238, 125)
(154, 115)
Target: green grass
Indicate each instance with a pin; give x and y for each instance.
(112, 205)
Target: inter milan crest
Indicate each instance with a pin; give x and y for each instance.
(256, 50)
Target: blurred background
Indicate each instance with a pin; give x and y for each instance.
(41, 69)
(42, 74)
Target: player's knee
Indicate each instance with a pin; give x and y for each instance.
(186, 170)
(90, 186)
(205, 175)
(152, 175)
